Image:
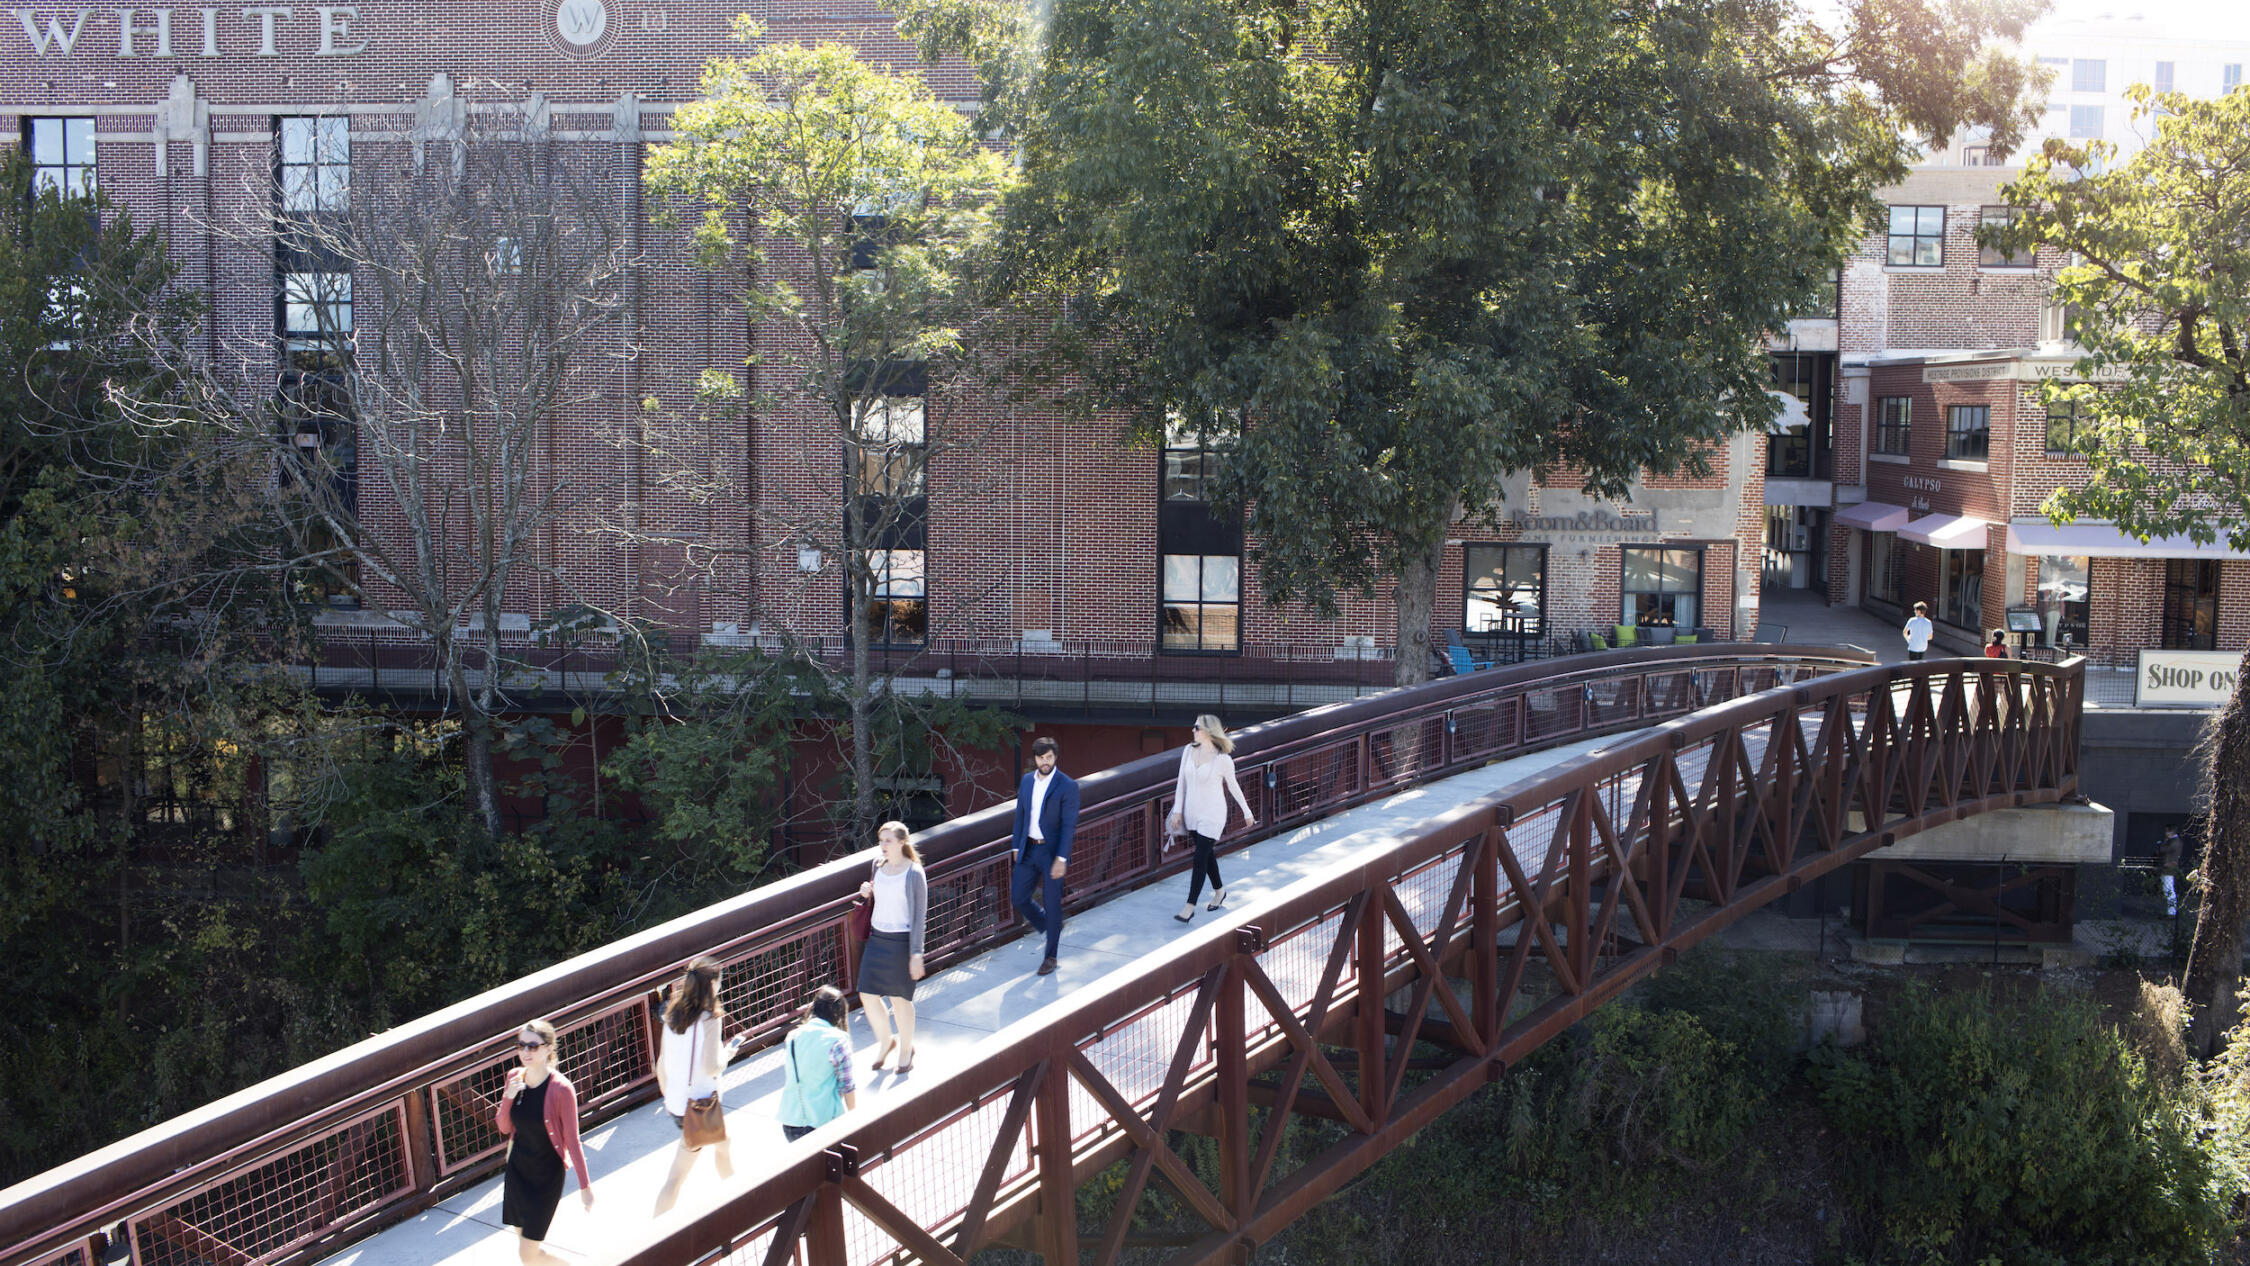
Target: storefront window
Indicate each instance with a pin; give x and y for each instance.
(2191, 604)
(1662, 586)
(1961, 588)
(1505, 588)
(2062, 599)
(1883, 567)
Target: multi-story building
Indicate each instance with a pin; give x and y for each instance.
(1034, 538)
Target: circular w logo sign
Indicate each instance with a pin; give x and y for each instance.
(581, 23)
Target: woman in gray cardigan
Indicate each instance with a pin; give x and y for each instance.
(892, 961)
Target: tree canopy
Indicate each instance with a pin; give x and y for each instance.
(1389, 253)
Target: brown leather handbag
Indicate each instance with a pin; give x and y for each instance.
(706, 1121)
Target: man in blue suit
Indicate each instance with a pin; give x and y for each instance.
(1046, 818)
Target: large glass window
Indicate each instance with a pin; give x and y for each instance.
(2230, 76)
(1661, 586)
(315, 163)
(893, 449)
(2163, 80)
(1504, 589)
(2085, 122)
(1884, 558)
(1894, 420)
(899, 613)
(1190, 466)
(2089, 74)
(1994, 256)
(2191, 604)
(1917, 236)
(2061, 599)
(1201, 602)
(1968, 432)
(62, 154)
(315, 305)
(2062, 426)
(1961, 588)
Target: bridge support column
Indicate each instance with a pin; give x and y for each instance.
(1056, 1225)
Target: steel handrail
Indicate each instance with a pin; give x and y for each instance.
(843, 1154)
(420, 1064)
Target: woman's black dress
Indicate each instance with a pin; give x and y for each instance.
(534, 1185)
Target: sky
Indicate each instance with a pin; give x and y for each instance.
(2179, 19)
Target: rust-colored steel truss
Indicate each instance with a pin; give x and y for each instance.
(1327, 1000)
(1262, 1019)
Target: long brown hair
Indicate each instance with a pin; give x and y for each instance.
(695, 992)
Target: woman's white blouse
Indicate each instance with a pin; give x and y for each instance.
(680, 1083)
(1202, 793)
(891, 912)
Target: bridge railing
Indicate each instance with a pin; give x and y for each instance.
(293, 1167)
(1326, 1000)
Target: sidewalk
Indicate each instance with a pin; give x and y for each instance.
(1812, 622)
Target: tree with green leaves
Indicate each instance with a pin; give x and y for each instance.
(861, 215)
(2157, 297)
(1386, 255)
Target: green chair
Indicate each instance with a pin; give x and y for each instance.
(1627, 635)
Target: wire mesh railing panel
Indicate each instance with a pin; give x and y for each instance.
(608, 1054)
(1295, 960)
(1484, 729)
(932, 1177)
(1423, 890)
(1615, 700)
(1309, 782)
(765, 987)
(966, 903)
(1110, 849)
(1553, 711)
(1408, 751)
(1670, 693)
(261, 1212)
(1135, 1056)
(753, 1248)
(75, 1255)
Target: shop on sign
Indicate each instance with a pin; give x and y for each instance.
(2185, 679)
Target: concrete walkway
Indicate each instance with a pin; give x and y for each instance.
(1812, 622)
(958, 1007)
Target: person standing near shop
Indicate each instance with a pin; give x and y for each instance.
(892, 959)
(539, 1118)
(1046, 818)
(1199, 806)
(1918, 631)
(2168, 869)
(1997, 648)
(816, 1072)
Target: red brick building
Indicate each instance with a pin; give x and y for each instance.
(1042, 537)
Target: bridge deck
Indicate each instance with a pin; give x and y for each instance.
(957, 1008)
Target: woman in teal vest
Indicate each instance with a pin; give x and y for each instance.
(817, 1067)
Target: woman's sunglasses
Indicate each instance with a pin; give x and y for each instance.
(528, 1045)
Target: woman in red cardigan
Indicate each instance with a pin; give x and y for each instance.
(539, 1115)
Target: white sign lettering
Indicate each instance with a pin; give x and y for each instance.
(145, 33)
(2185, 679)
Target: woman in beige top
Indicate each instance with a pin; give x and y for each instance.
(1199, 806)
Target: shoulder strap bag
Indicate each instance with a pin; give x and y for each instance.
(706, 1121)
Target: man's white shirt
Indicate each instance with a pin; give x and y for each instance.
(1038, 797)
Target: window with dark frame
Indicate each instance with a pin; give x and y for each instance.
(1917, 238)
(313, 163)
(2061, 599)
(1994, 256)
(1504, 589)
(1894, 425)
(1190, 466)
(313, 320)
(2062, 427)
(1961, 588)
(1883, 570)
(1201, 597)
(62, 154)
(898, 611)
(1660, 586)
(892, 453)
(1968, 432)
(2191, 604)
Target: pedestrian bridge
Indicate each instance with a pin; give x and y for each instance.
(1443, 878)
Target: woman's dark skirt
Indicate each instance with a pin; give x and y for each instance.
(883, 966)
(533, 1186)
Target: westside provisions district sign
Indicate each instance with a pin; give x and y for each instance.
(2185, 679)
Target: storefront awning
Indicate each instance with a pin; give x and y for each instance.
(2104, 540)
(1873, 516)
(1946, 531)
